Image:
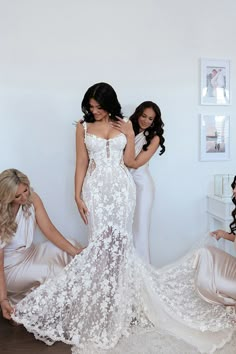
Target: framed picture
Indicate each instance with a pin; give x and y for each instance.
(215, 82)
(214, 137)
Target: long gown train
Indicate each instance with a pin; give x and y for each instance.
(107, 292)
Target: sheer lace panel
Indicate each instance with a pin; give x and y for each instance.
(108, 149)
(92, 166)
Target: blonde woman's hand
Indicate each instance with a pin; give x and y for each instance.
(83, 210)
(79, 250)
(7, 309)
(123, 126)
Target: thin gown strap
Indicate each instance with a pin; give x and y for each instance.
(84, 124)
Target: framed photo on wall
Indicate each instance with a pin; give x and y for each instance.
(215, 82)
(214, 137)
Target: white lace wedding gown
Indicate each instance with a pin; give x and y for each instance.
(107, 299)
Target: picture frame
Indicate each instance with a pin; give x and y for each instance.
(215, 82)
(214, 137)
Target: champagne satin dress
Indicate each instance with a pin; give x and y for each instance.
(145, 191)
(26, 265)
(215, 277)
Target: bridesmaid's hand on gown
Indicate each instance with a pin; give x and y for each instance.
(222, 234)
(79, 250)
(7, 309)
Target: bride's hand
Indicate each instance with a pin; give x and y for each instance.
(83, 210)
(124, 127)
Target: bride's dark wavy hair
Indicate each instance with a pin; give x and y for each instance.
(155, 129)
(232, 225)
(106, 96)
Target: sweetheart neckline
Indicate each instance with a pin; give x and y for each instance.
(99, 137)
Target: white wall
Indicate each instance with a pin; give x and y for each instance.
(53, 50)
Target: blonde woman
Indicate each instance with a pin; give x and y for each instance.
(23, 265)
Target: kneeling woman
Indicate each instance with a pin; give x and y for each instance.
(216, 270)
(23, 265)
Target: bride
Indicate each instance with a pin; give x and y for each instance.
(107, 294)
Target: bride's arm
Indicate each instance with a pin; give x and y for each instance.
(82, 161)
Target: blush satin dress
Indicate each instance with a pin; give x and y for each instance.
(215, 276)
(27, 265)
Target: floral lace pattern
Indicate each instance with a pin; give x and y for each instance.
(107, 297)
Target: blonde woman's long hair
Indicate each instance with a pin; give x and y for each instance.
(9, 181)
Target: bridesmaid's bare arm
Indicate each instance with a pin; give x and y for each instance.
(7, 310)
(144, 156)
(49, 230)
(129, 155)
(223, 234)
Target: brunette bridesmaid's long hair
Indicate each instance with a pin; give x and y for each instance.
(106, 96)
(155, 129)
(232, 225)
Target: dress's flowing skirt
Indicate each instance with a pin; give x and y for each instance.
(102, 295)
(107, 292)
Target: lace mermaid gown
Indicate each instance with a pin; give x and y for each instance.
(107, 292)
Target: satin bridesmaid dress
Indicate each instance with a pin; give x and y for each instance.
(26, 265)
(215, 277)
(145, 191)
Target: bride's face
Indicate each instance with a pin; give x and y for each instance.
(97, 111)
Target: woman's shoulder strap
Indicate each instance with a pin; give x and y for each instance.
(84, 124)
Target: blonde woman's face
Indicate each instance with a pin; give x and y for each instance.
(22, 194)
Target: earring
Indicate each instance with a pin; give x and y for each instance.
(109, 114)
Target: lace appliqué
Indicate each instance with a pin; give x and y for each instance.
(108, 149)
